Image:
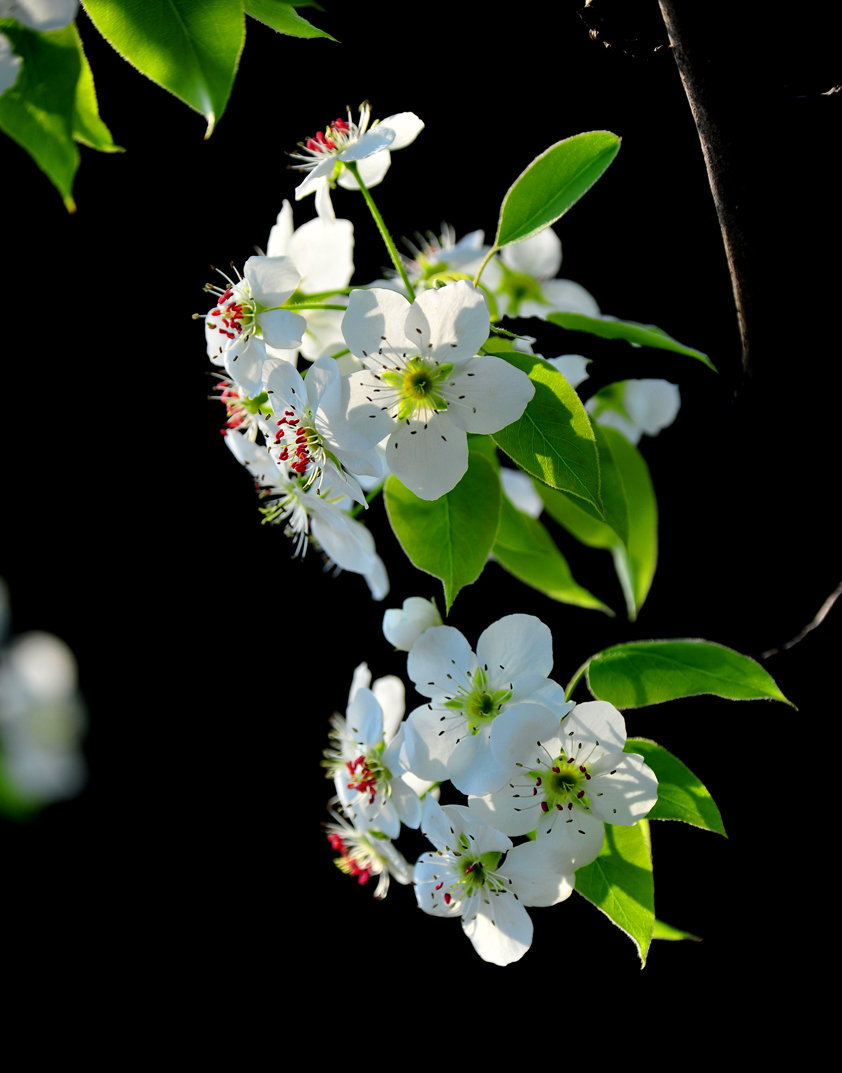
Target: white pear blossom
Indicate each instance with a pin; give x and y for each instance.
(524, 284)
(465, 877)
(348, 141)
(402, 627)
(566, 786)
(424, 384)
(247, 316)
(367, 853)
(365, 757)
(322, 253)
(310, 514)
(473, 697)
(311, 431)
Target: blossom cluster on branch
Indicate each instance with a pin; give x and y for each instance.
(414, 387)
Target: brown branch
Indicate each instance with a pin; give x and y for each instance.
(701, 73)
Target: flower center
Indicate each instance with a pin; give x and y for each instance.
(480, 704)
(418, 386)
(234, 314)
(301, 445)
(365, 774)
(564, 785)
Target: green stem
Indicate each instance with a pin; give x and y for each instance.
(488, 257)
(351, 165)
(318, 296)
(575, 679)
(312, 305)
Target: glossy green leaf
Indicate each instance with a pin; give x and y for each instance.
(283, 18)
(38, 110)
(681, 796)
(526, 550)
(626, 479)
(631, 331)
(553, 182)
(619, 882)
(667, 931)
(189, 47)
(88, 127)
(553, 439)
(651, 672)
(450, 537)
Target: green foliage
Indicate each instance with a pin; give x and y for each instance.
(553, 439)
(450, 537)
(650, 672)
(631, 331)
(53, 103)
(526, 550)
(667, 931)
(620, 883)
(189, 47)
(630, 505)
(553, 182)
(681, 796)
(283, 18)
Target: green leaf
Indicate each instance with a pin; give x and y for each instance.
(450, 537)
(189, 47)
(553, 439)
(631, 331)
(38, 110)
(650, 672)
(667, 931)
(681, 796)
(88, 128)
(553, 182)
(283, 18)
(526, 550)
(619, 882)
(626, 480)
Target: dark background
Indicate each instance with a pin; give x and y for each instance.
(211, 662)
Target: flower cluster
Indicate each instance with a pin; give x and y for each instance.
(529, 762)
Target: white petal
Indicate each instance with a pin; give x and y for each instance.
(437, 657)
(652, 404)
(272, 279)
(372, 172)
(595, 721)
(623, 789)
(501, 931)
(487, 394)
(282, 328)
(323, 254)
(429, 457)
(539, 256)
(573, 367)
(281, 233)
(373, 141)
(520, 491)
(406, 126)
(515, 649)
(371, 316)
(450, 323)
(540, 876)
(403, 627)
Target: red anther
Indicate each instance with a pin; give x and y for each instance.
(312, 145)
(439, 885)
(557, 770)
(545, 807)
(570, 804)
(560, 808)
(447, 897)
(580, 794)
(583, 769)
(534, 791)
(538, 782)
(570, 760)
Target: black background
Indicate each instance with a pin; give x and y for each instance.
(193, 868)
